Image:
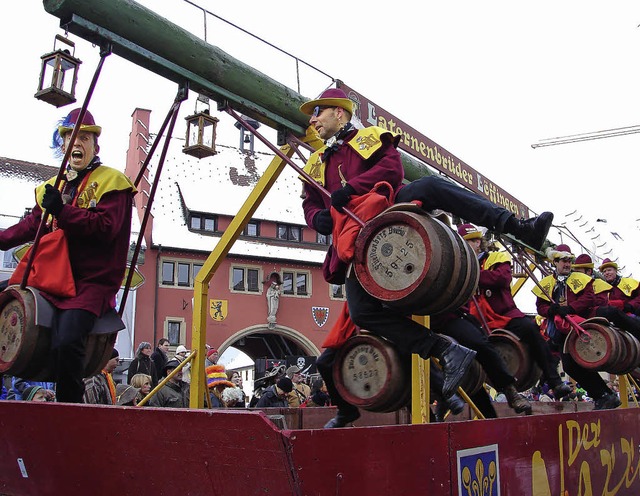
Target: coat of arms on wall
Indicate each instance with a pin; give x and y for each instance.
(320, 315)
(218, 309)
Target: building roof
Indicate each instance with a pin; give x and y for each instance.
(220, 185)
(17, 181)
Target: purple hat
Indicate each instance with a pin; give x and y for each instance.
(559, 252)
(607, 262)
(469, 231)
(333, 97)
(88, 123)
(583, 262)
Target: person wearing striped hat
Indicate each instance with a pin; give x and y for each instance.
(217, 382)
(572, 294)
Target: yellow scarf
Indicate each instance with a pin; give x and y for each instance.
(576, 282)
(112, 386)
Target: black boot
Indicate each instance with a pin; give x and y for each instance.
(455, 360)
(343, 418)
(532, 231)
(516, 401)
(561, 390)
(607, 401)
(455, 403)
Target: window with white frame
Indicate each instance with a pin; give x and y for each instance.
(180, 273)
(296, 283)
(336, 292)
(245, 279)
(8, 262)
(175, 330)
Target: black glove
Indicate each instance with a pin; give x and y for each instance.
(628, 308)
(564, 311)
(340, 197)
(323, 223)
(52, 200)
(553, 310)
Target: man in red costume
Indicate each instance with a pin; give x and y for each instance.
(93, 207)
(350, 164)
(625, 292)
(498, 309)
(572, 294)
(583, 263)
(617, 298)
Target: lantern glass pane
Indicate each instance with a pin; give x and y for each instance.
(193, 133)
(207, 135)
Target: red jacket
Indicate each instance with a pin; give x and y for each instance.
(581, 299)
(98, 238)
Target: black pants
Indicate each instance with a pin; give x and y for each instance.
(324, 364)
(481, 398)
(69, 333)
(620, 319)
(467, 333)
(437, 193)
(589, 380)
(529, 333)
(371, 314)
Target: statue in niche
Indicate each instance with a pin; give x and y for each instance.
(273, 298)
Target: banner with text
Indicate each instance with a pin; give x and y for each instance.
(426, 150)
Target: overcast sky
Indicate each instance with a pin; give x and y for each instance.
(483, 79)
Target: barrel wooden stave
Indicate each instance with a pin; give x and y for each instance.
(593, 352)
(517, 358)
(370, 374)
(414, 263)
(25, 348)
(23, 344)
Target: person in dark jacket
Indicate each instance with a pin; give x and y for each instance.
(175, 393)
(160, 355)
(276, 395)
(142, 364)
(319, 395)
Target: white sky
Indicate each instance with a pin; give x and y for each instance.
(483, 79)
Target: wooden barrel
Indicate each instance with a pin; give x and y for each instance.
(25, 345)
(598, 350)
(627, 355)
(415, 263)
(517, 358)
(371, 374)
(98, 352)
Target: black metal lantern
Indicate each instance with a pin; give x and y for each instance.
(200, 140)
(60, 72)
